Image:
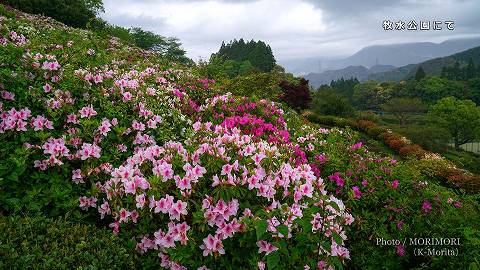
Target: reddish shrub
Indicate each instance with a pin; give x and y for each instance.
(297, 96)
(412, 150)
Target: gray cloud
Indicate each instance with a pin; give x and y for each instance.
(293, 28)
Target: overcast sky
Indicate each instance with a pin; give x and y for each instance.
(293, 28)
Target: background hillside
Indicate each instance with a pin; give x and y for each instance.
(431, 67)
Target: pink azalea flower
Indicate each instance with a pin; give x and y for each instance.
(140, 201)
(356, 192)
(104, 209)
(400, 250)
(97, 79)
(182, 183)
(87, 112)
(264, 246)
(395, 184)
(177, 209)
(40, 123)
(356, 146)
(72, 118)
(212, 244)
(138, 125)
(257, 158)
(364, 182)
(130, 187)
(77, 176)
(8, 95)
(123, 215)
(47, 88)
(339, 251)
(89, 150)
(426, 207)
(127, 96)
(400, 225)
(104, 128)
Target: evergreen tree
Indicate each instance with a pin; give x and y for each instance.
(420, 74)
(259, 54)
(470, 70)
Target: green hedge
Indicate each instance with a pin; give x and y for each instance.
(42, 243)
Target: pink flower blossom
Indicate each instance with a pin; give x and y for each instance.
(426, 207)
(400, 225)
(104, 128)
(47, 88)
(86, 202)
(395, 184)
(104, 209)
(177, 209)
(257, 158)
(400, 250)
(124, 214)
(356, 192)
(212, 244)
(77, 176)
(89, 150)
(40, 123)
(339, 251)
(8, 95)
(127, 96)
(264, 246)
(140, 201)
(87, 112)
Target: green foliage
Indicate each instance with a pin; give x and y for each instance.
(343, 87)
(460, 117)
(331, 103)
(261, 85)
(5, 12)
(76, 13)
(474, 90)
(401, 108)
(168, 47)
(464, 159)
(420, 74)
(365, 95)
(431, 89)
(430, 137)
(42, 243)
(461, 73)
(257, 53)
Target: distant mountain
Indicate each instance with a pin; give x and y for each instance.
(409, 53)
(431, 67)
(392, 54)
(359, 72)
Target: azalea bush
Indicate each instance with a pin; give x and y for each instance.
(121, 136)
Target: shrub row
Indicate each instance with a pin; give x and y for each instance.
(449, 173)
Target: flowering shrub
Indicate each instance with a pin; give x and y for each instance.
(230, 193)
(222, 191)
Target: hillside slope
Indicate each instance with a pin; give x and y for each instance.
(359, 72)
(192, 177)
(431, 67)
